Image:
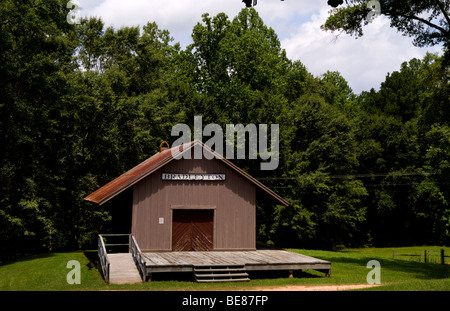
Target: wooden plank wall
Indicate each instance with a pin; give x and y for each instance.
(232, 200)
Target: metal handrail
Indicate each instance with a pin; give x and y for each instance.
(138, 258)
(118, 244)
(102, 254)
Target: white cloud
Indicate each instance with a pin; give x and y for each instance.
(363, 62)
(179, 17)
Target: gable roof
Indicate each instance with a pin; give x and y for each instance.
(149, 166)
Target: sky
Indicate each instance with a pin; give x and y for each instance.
(363, 62)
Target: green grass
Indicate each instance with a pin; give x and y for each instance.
(349, 267)
(47, 272)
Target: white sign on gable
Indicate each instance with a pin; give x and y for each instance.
(178, 176)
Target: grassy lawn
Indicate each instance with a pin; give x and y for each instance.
(47, 272)
(349, 267)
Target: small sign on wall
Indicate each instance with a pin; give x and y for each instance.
(161, 220)
(177, 176)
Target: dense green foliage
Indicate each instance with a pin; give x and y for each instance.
(81, 104)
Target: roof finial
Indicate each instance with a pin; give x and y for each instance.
(161, 148)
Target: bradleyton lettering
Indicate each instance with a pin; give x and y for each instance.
(176, 176)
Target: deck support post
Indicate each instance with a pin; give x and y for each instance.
(291, 274)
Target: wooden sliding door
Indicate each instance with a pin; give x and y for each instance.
(192, 230)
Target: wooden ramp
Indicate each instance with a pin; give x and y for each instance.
(123, 269)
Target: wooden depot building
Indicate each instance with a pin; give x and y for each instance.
(193, 215)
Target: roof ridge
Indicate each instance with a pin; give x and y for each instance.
(158, 160)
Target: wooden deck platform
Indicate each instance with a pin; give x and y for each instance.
(251, 260)
(206, 266)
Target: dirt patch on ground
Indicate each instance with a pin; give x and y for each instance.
(311, 287)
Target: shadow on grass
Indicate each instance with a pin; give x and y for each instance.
(26, 258)
(277, 274)
(419, 270)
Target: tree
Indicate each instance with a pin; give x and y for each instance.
(37, 45)
(341, 91)
(323, 159)
(431, 197)
(237, 63)
(80, 105)
(421, 89)
(428, 22)
(402, 135)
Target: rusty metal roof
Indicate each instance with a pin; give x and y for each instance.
(144, 169)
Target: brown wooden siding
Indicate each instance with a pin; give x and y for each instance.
(232, 199)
